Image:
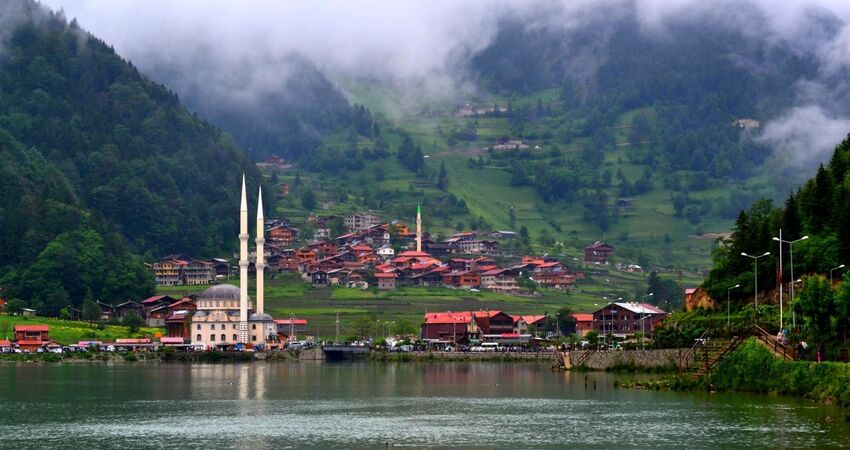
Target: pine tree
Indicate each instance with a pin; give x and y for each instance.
(443, 178)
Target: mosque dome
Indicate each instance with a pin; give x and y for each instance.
(260, 317)
(221, 292)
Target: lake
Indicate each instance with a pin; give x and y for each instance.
(374, 405)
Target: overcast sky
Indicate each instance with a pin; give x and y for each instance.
(422, 45)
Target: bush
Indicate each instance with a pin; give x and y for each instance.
(752, 368)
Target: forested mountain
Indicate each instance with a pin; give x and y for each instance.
(290, 116)
(698, 76)
(100, 164)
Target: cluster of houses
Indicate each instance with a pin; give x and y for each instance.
(367, 255)
(621, 320)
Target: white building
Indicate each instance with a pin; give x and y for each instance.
(225, 316)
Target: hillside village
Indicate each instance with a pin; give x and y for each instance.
(375, 253)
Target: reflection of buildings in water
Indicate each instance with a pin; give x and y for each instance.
(251, 382)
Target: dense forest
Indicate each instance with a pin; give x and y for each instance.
(100, 164)
(819, 210)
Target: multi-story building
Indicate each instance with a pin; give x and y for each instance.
(168, 272)
(623, 319)
(598, 252)
(199, 272)
(357, 222)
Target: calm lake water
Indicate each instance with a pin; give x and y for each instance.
(370, 405)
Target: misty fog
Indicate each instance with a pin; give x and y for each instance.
(238, 53)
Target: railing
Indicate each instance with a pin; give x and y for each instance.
(773, 344)
(686, 359)
(582, 358)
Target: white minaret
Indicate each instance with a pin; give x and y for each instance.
(261, 250)
(243, 266)
(418, 228)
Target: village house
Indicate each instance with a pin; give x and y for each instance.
(32, 337)
(627, 318)
(598, 253)
(289, 329)
(500, 280)
(158, 303)
(385, 252)
(463, 280)
(319, 278)
(502, 235)
(503, 144)
(198, 272)
(386, 280)
(221, 267)
(167, 272)
(282, 234)
(449, 327)
(531, 324)
(584, 323)
(431, 278)
(123, 309)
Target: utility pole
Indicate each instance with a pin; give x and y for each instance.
(336, 340)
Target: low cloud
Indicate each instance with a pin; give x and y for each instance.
(805, 134)
(239, 51)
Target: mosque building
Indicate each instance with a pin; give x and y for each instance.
(225, 316)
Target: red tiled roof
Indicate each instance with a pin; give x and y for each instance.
(414, 253)
(153, 299)
(530, 320)
(32, 342)
(583, 317)
(463, 317)
(32, 328)
(487, 313)
(549, 264)
(292, 322)
(5, 343)
(385, 275)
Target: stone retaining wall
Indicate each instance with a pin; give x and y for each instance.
(601, 360)
(546, 356)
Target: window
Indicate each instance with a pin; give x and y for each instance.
(235, 338)
(199, 327)
(234, 326)
(199, 339)
(223, 337)
(212, 338)
(254, 337)
(253, 326)
(212, 327)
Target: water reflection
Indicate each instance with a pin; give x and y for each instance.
(364, 405)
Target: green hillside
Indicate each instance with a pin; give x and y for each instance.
(100, 166)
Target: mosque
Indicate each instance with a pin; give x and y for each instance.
(225, 316)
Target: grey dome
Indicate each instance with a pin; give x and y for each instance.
(220, 292)
(260, 317)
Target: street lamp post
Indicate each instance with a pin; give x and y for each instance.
(791, 250)
(728, 290)
(830, 272)
(756, 281)
(793, 311)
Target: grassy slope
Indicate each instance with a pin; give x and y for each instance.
(70, 332)
(488, 194)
